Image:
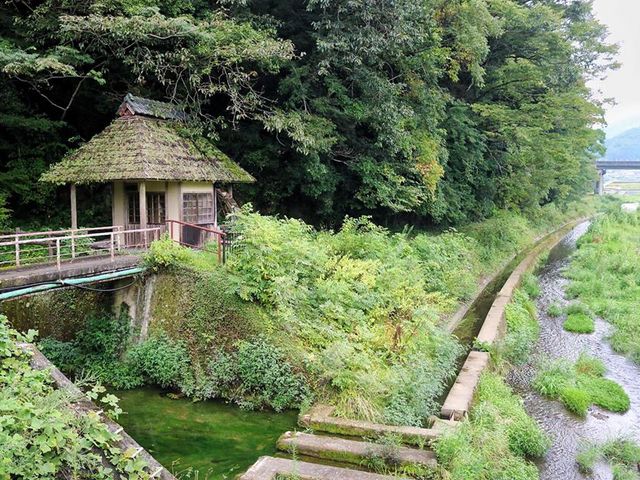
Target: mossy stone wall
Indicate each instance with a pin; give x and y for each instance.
(58, 313)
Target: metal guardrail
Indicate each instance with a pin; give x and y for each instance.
(198, 236)
(28, 248)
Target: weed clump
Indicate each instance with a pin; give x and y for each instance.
(622, 454)
(579, 323)
(580, 385)
(522, 328)
(554, 310)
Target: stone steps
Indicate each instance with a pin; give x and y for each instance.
(320, 418)
(268, 468)
(352, 451)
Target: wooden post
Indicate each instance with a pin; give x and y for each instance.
(17, 249)
(142, 192)
(215, 206)
(74, 219)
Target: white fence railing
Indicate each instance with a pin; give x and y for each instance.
(27, 248)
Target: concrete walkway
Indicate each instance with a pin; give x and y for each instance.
(34, 274)
(268, 468)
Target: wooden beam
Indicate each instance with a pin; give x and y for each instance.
(74, 208)
(142, 200)
(215, 206)
(142, 192)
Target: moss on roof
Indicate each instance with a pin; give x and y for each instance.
(143, 148)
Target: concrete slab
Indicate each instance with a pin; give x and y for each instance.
(320, 418)
(34, 274)
(494, 325)
(352, 451)
(268, 468)
(458, 402)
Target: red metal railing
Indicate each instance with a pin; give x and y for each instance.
(196, 236)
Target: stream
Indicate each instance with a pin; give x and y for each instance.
(214, 439)
(568, 431)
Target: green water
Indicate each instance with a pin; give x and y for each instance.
(217, 440)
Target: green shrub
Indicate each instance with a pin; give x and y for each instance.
(160, 360)
(579, 323)
(42, 434)
(97, 351)
(266, 378)
(165, 254)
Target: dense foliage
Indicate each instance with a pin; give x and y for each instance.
(605, 276)
(41, 435)
(440, 111)
(359, 311)
(254, 374)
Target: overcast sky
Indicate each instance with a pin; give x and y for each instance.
(623, 19)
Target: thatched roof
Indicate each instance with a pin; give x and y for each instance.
(139, 147)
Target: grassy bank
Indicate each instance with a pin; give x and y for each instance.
(605, 275)
(353, 317)
(497, 441)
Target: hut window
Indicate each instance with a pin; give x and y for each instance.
(155, 208)
(156, 211)
(133, 201)
(197, 208)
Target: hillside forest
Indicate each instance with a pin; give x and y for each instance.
(431, 112)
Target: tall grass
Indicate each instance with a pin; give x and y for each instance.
(605, 276)
(581, 385)
(497, 441)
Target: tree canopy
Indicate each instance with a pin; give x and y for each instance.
(436, 111)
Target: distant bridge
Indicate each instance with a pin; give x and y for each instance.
(618, 164)
(604, 165)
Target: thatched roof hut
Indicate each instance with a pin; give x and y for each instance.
(160, 170)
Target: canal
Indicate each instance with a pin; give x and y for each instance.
(208, 440)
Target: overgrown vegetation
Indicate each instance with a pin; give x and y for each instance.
(580, 385)
(522, 325)
(41, 436)
(356, 313)
(605, 276)
(622, 454)
(497, 440)
(254, 375)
